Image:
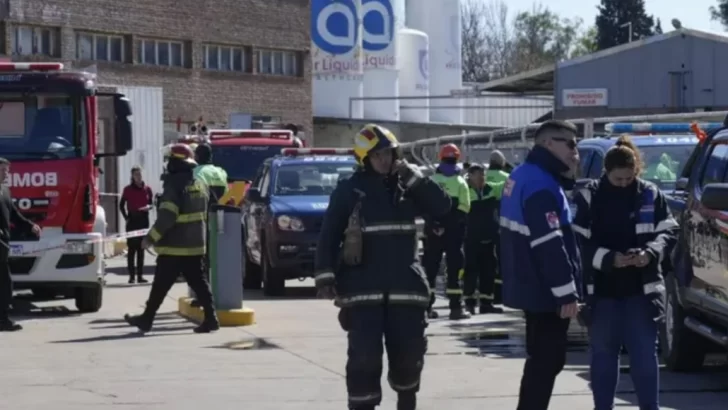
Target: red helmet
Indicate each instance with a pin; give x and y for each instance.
(449, 151)
(182, 152)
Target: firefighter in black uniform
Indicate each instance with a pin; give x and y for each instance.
(481, 235)
(178, 237)
(366, 258)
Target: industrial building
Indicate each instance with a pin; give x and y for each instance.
(226, 61)
(678, 71)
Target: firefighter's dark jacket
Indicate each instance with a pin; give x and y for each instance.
(180, 226)
(389, 271)
(483, 217)
(605, 228)
(539, 258)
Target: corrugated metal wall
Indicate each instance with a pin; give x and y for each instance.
(677, 74)
(148, 130)
(504, 110)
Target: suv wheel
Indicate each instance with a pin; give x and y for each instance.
(682, 349)
(273, 283)
(252, 278)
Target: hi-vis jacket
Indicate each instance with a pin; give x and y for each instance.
(457, 189)
(180, 226)
(655, 227)
(215, 178)
(389, 271)
(540, 262)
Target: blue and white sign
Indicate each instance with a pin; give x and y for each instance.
(379, 34)
(336, 36)
(424, 57)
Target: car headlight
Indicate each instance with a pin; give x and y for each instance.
(289, 223)
(79, 248)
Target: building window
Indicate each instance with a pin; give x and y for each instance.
(28, 40)
(99, 47)
(278, 62)
(224, 58)
(160, 52)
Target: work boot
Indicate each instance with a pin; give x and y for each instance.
(131, 280)
(141, 322)
(458, 314)
(432, 314)
(470, 306)
(486, 308)
(407, 401)
(140, 279)
(209, 324)
(7, 325)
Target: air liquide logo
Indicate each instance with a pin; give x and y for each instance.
(378, 33)
(424, 63)
(334, 31)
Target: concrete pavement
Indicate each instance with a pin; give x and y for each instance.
(293, 359)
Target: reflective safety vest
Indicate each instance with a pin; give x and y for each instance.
(496, 175)
(214, 177)
(457, 189)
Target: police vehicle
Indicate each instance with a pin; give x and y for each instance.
(283, 212)
(696, 305)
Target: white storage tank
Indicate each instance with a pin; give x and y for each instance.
(336, 58)
(440, 20)
(381, 19)
(414, 78)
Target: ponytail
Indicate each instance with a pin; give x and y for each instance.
(624, 154)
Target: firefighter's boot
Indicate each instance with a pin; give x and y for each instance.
(456, 309)
(142, 322)
(487, 307)
(407, 401)
(210, 323)
(470, 306)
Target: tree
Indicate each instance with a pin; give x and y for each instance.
(615, 19)
(494, 45)
(586, 43)
(720, 13)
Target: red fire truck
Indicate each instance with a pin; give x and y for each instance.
(48, 130)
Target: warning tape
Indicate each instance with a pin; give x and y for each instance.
(29, 248)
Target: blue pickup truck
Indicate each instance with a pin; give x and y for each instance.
(283, 211)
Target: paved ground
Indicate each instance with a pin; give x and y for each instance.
(292, 360)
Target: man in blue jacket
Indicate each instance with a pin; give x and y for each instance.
(540, 261)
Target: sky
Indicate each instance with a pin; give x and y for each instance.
(693, 13)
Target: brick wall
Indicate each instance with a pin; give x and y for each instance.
(188, 92)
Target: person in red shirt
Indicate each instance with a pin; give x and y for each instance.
(135, 204)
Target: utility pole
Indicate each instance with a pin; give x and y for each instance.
(629, 28)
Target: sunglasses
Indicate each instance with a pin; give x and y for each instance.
(570, 143)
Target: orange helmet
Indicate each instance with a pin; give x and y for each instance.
(182, 152)
(449, 151)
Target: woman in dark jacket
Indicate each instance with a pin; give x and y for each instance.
(135, 204)
(626, 231)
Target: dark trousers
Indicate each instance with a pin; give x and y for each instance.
(480, 270)
(403, 329)
(135, 253)
(166, 273)
(629, 322)
(6, 284)
(451, 243)
(546, 338)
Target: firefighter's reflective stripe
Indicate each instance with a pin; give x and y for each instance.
(169, 206)
(324, 277)
(479, 296)
(365, 398)
(402, 387)
(374, 298)
(498, 281)
(154, 234)
(645, 228)
(193, 217)
(486, 297)
(175, 251)
(453, 291)
(389, 228)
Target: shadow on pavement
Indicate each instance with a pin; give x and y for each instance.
(291, 293)
(109, 338)
(122, 270)
(253, 343)
(24, 309)
(160, 316)
(127, 285)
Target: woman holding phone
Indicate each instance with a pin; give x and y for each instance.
(626, 233)
(135, 204)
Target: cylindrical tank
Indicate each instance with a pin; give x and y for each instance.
(380, 21)
(414, 78)
(336, 58)
(440, 20)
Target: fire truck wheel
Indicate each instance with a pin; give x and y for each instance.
(89, 300)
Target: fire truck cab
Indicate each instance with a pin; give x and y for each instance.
(48, 131)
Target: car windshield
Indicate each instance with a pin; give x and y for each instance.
(663, 163)
(241, 162)
(311, 179)
(41, 127)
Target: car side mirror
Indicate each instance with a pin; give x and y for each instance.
(681, 184)
(253, 194)
(715, 197)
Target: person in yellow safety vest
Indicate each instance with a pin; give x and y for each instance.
(496, 168)
(446, 234)
(481, 235)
